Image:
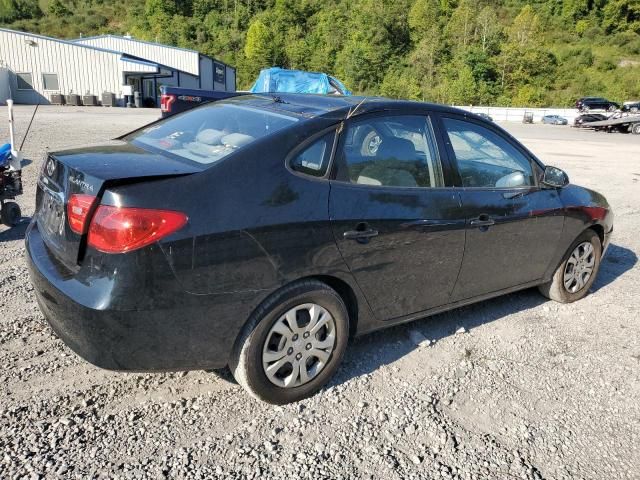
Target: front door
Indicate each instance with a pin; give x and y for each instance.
(513, 225)
(399, 229)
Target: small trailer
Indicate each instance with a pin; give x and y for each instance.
(619, 122)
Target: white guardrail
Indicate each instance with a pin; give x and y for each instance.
(516, 114)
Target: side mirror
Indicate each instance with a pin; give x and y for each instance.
(555, 177)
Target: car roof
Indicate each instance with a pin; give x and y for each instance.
(313, 105)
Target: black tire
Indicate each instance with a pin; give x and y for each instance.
(246, 361)
(11, 214)
(612, 108)
(635, 128)
(555, 289)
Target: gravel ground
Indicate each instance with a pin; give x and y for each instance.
(526, 388)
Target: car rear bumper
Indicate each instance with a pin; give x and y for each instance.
(187, 332)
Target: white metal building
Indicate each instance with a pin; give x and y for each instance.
(34, 67)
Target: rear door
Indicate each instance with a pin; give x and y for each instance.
(513, 225)
(398, 226)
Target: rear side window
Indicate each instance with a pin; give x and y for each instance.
(390, 151)
(209, 133)
(314, 159)
(485, 159)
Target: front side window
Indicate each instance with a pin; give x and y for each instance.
(25, 81)
(485, 159)
(314, 159)
(209, 133)
(390, 151)
(50, 81)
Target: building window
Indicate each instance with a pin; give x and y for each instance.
(25, 81)
(50, 81)
(219, 72)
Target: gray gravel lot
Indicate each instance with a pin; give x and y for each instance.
(531, 389)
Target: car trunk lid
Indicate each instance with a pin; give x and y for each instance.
(88, 171)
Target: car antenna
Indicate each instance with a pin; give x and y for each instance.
(278, 99)
(353, 111)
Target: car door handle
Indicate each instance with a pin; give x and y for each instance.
(360, 234)
(483, 220)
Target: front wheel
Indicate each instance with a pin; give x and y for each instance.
(293, 344)
(577, 272)
(635, 129)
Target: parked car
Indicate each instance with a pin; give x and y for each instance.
(261, 233)
(178, 99)
(486, 116)
(588, 117)
(585, 104)
(554, 120)
(270, 80)
(632, 106)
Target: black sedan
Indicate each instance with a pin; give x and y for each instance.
(261, 232)
(580, 120)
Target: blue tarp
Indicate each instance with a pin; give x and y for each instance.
(296, 81)
(5, 155)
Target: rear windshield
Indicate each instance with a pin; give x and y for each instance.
(209, 133)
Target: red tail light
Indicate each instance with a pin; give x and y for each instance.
(120, 229)
(166, 101)
(78, 208)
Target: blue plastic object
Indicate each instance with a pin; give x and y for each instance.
(5, 154)
(272, 80)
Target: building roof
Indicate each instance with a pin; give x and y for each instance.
(124, 56)
(177, 58)
(131, 39)
(183, 59)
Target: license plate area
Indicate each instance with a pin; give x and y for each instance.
(51, 217)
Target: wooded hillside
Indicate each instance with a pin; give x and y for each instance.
(506, 52)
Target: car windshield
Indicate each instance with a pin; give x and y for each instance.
(209, 133)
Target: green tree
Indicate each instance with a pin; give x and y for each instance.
(258, 50)
(488, 28)
(525, 28)
(462, 24)
(423, 18)
(620, 15)
(463, 88)
(58, 9)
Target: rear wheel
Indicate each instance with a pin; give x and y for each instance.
(11, 214)
(293, 344)
(612, 108)
(577, 272)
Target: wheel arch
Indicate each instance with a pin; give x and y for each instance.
(348, 296)
(599, 229)
(341, 287)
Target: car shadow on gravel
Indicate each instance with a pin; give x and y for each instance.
(616, 262)
(11, 234)
(369, 352)
(366, 354)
